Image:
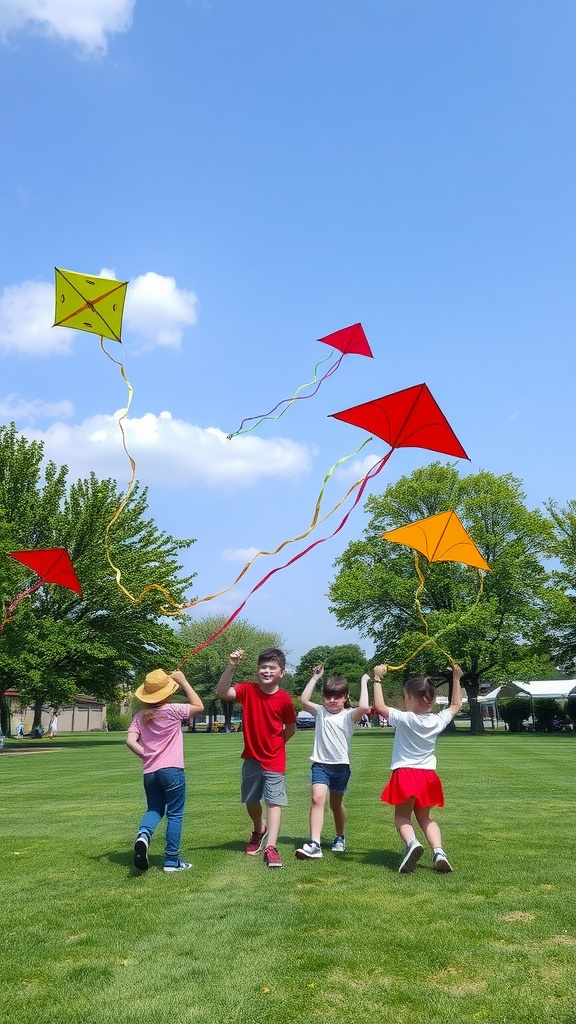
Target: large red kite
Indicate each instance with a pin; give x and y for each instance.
(349, 341)
(440, 538)
(52, 565)
(406, 419)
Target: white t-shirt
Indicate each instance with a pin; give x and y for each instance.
(415, 739)
(332, 736)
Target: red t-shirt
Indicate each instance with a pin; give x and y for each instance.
(264, 716)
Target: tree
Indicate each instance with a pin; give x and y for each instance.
(204, 670)
(346, 660)
(562, 595)
(59, 643)
(374, 589)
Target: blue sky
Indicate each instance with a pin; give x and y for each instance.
(265, 173)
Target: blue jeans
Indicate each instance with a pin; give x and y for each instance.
(165, 794)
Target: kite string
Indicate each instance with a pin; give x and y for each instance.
(434, 639)
(14, 604)
(315, 522)
(369, 476)
(297, 397)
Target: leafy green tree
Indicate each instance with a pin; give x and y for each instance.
(346, 660)
(562, 595)
(204, 669)
(375, 586)
(58, 643)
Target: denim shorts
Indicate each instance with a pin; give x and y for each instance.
(260, 784)
(335, 776)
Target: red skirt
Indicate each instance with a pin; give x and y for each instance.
(422, 784)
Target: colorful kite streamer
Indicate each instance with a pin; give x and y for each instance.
(349, 341)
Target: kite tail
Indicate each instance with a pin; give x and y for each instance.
(14, 604)
(369, 476)
(434, 639)
(315, 522)
(125, 499)
(420, 590)
(297, 397)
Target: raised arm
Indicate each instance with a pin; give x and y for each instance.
(456, 701)
(306, 697)
(225, 689)
(379, 703)
(196, 705)
(364, 706)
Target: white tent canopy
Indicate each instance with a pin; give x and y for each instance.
(556, 688)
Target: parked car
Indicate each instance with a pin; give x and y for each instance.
(305, 720)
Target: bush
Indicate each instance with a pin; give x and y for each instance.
(514, 712)
(117, 722)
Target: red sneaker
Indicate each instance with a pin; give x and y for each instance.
(272, 857)
(256, 841)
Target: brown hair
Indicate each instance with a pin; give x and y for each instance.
(335, 686)
(148, 714)
(422, 687)
(273, 654)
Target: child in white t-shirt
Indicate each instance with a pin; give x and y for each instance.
(414, 786)
(330, 756)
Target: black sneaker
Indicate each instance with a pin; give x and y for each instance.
(141, 853)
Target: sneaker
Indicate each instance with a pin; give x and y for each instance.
(309, 851)
(441, 862)
(141, 853)
(272, 858)
(180, 866)
(413, 853)
(339, 844)
(256, 842)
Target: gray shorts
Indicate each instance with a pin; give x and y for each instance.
(260, 784)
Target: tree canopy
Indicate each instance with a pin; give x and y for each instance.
(346, 660)
(375, 586)
(58, 643)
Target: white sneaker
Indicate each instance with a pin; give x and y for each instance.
(309, 851)
(414, 851)
(180, 866)
(441, 862)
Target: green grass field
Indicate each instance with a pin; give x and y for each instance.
(345, 940)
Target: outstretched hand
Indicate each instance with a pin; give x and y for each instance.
(379, 672)
(236, 657)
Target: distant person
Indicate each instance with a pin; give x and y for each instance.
(53, 726)
(155, 735)
(19, 730)
(330, 756)
(414, 786)
(268, 722)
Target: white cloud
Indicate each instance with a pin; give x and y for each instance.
(358, 469)
(26, 318)
(169, 452)
(156, 310)
(86, 22)
(243, 555)
(14, 407)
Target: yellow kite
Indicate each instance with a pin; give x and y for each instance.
(440, 538)
(94, 304)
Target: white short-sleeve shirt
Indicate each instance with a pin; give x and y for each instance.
(332, 736)
(415, 739)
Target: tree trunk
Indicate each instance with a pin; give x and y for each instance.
(37, 713)
(4, 716)
(476, 716)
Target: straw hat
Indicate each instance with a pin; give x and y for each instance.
(156, 687)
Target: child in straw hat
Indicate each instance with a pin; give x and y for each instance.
(155, 735)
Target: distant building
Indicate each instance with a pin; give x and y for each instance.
(84, 715)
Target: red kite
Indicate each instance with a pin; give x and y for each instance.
(440, 538)
(52, 565)
(349, 341)
(406, 419)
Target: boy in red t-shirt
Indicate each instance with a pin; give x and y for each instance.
(268, 722)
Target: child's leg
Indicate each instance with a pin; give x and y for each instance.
(156, 804)
(319, 793)
(428, 826)
(339, 812)
(274, 812)
(403, 820)
(255, 812)
(175, 795)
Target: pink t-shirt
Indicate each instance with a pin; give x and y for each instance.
(162, 736)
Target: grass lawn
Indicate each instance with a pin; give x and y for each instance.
(86, 939)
